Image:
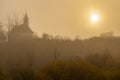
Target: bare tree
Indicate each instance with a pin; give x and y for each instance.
(13, 21)
(2, 33)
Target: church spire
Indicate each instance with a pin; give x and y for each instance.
(26, 19)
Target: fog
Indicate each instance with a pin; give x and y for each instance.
(65, 17)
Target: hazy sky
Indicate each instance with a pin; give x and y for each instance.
(65, 17)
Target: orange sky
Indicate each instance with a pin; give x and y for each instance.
(65, 17)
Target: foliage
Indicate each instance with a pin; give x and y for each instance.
(21, 74)
(101, 60)
(71, 71)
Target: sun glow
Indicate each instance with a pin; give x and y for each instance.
(94, 17)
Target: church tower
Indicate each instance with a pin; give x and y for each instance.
(26, 20)
(22, 31)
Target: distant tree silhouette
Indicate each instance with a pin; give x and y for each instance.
(45, 36)
(107, 35)
(12, 22)
(77, 38)
(18, 30)
(56, 55)
(101, 60)
(2, 33)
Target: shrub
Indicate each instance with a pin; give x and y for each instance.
(71, 71)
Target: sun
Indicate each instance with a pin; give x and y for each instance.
(94, 17)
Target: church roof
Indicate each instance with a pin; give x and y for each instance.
(22, 29)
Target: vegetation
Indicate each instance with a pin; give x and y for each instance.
(64, 70)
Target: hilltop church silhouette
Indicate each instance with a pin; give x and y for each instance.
(21, 31)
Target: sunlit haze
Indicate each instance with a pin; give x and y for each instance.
(59, 39)
(66, 17)
(94, 18)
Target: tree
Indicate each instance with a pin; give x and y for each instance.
(45, 36)
(12, 22)
(101, 60)
(107, 35)
(77, 38)
(71, 71)
(2, 33)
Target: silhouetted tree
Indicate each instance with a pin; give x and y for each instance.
(2, 33)
(45, 36)
(102, 60)
(107, 35)
(71, 71)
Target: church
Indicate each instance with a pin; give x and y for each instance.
(22, 31)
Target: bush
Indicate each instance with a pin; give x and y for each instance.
(71, 71)
(21, 74)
